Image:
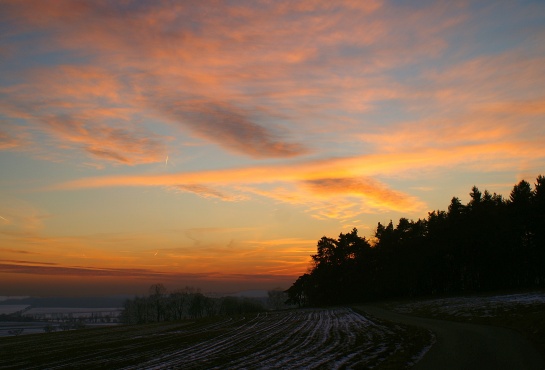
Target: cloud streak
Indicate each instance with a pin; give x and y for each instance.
(207, 192)
(232, 128)
(331, 113)
(236, 76)
(9, 141)
(387, 164)
(371, 192)
(26, 268)
(335, 185)
(107, 142)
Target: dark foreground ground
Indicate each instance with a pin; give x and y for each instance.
(493, 332)
(308, 338)
(469, 346)
(523, 312)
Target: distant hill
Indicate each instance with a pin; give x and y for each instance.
(249, 294)
(257, 293)
(69, 302)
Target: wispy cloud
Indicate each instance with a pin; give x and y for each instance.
(44, 269)
(9, 141)
(231, 127)
(475, 143)
(251, 80)
(351, 177)
(17, 251)
(384, 164)
(106, 142)
(32, 268)
(208, 192)
(333, 110)
(371, 192)
(19, 216)
(237, 76)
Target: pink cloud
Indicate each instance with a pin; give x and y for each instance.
(124, 145)
(236, 59)
(270, 80)
(340, 198)
(384, 163)
(17, 251)
(339, 187)
(78, 109)
(372, 192)
(207, 192)
(230, 127)
(9, 141)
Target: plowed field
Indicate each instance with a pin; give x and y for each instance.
(311, 338)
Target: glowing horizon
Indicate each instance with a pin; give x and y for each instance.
(213, 145)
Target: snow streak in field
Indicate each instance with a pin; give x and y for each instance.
(331, 339)
(310, 338)
(484, 306)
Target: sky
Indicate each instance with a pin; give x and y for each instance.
(212, 143)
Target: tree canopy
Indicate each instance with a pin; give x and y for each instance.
(490, 243)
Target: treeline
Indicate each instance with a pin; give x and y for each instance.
(490, 243)
(187, 303)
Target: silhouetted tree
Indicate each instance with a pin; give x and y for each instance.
(538, 227)
(490, 243)
(157, 293)
(276, 298)
(298, 292)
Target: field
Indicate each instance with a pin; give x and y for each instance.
(11, 308)
(307, 338)
(35, 319)
(310, 338)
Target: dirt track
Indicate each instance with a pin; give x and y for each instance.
(469, 346)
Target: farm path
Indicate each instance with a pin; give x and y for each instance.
(468, 346)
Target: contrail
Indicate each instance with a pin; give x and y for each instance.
(166, 161)
(3, 218)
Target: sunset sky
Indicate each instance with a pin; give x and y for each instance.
(212, 143)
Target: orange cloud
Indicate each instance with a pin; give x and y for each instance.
(106, 142)
(10, 142)
(270, 80)
(207, 192)
(146, 274)
(388, 164)
(237, 76)
(229, 126)
(338, 187)
(328, 102)
(340, 198)
(199, 252)
(16, 251)
(465, 131)
(373, 193)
